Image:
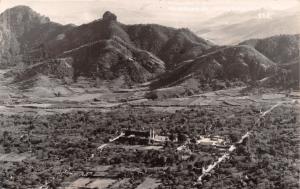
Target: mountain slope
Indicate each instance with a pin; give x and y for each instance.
(104, 49)
(22, 29)
(280, 49)
(108, 49)
(169, 44)
(294, 67)
(284, 50)
(113, 58)
(229, 63)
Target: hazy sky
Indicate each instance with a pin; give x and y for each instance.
(168, 12)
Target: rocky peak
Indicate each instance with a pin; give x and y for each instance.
(21, 13)
(109, 16)
(20, 19)
(15, 23)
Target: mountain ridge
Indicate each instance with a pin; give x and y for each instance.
(280, 48)
(228, 63)
(254, 24)
(108, 50)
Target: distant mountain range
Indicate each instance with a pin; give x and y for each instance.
(108, 50)
(233, 28)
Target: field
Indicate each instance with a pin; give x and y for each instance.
(59, 149)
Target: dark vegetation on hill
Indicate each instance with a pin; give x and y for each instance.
(287, 76)
(58, 68)
(280, 49)
(106, 49)
(294, 68)
(112, 59)
(270, 62)
(168, 44)
(283, 50)
(171, 45)
(229, 63)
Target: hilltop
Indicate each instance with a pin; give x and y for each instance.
(229, 63)
(23, 29)
(281, 49)
(106, 50)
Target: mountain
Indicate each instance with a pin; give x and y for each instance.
(244, 26)
(21, 29)
(113, 58)
(169, 44)
(274, 60)
(285, 76)
(283, 50)
(280, 49)
(294, 71)
(228, 63)
(104, 49)
(232, 17)
(108, 49)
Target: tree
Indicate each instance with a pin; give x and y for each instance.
(182, 138)
(152, 95)
(234, 137)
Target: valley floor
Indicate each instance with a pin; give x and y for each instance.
(51, 142)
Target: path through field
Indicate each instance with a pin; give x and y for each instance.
(232, 148)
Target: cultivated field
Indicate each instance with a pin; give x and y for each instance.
(59, 149)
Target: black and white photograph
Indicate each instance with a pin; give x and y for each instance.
(149, 94)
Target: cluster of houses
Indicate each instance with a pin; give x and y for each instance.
(151, 137)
